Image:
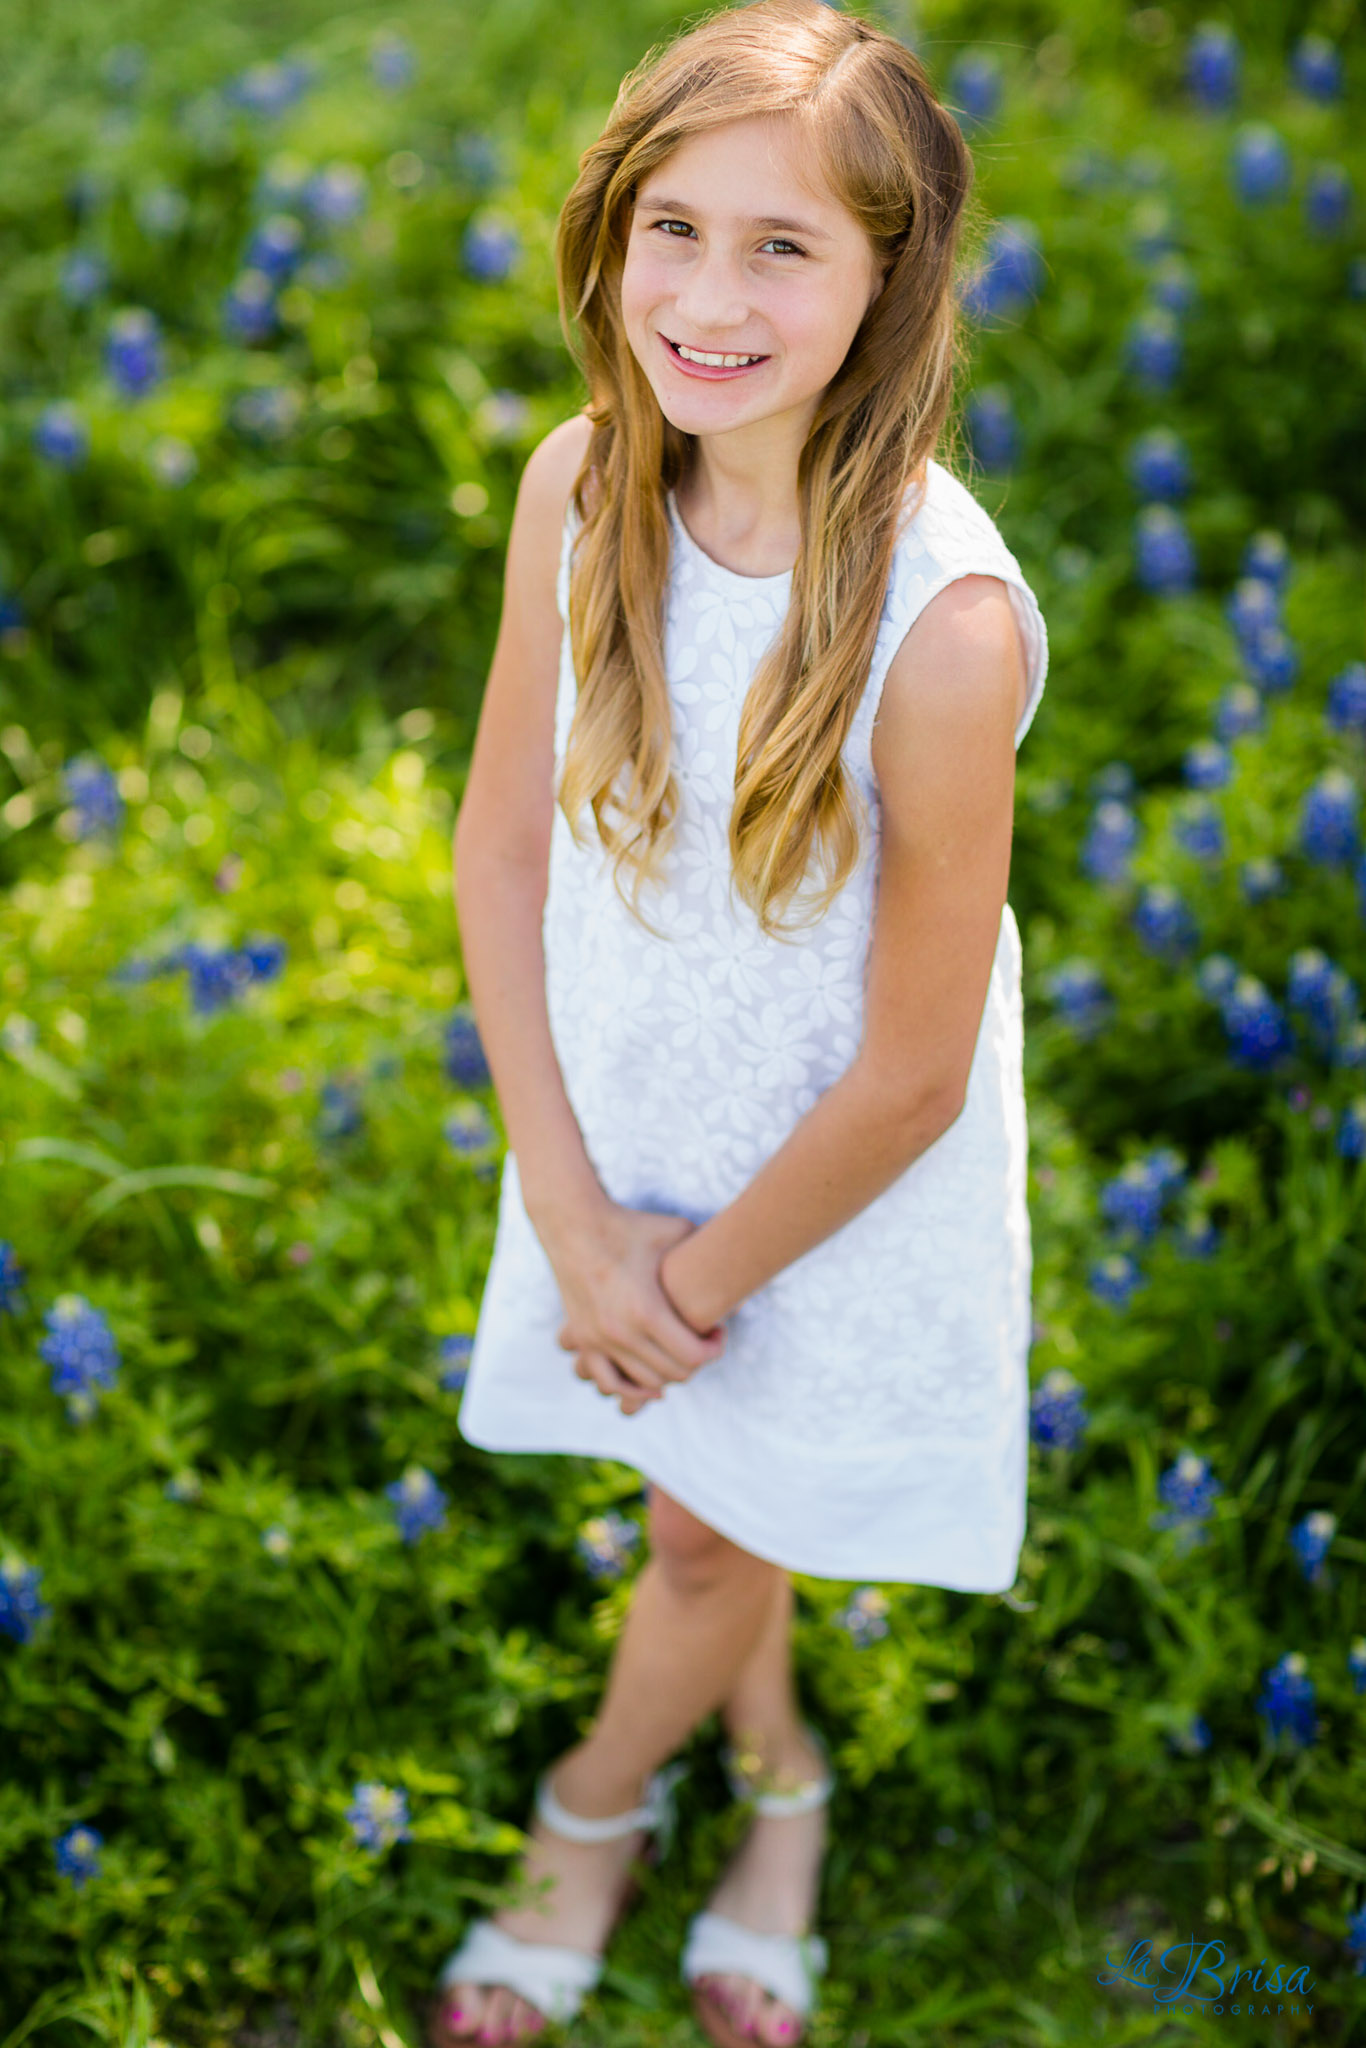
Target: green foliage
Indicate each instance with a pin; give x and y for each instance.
(272, 621)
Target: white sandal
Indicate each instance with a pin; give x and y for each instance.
(553, 1978)
(787, 1965)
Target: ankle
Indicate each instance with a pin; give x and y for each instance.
(774, 1747)
(594, 1788)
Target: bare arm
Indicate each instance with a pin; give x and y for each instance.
(944, 754)
(502, 844)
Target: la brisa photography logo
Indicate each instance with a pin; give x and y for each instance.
(1197, 1977)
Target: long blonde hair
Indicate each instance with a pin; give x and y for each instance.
(897, 160)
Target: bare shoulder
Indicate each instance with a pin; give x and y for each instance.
(552, 466)
(957, 679)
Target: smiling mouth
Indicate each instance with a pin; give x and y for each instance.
(751, 364)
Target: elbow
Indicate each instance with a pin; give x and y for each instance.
(926, 1110)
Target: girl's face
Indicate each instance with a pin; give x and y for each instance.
(735, 249)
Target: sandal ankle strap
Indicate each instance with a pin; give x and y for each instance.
(656, 1814)
(776, 1805)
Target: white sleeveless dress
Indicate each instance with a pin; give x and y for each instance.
(868, 1418)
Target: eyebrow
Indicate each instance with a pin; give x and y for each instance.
(769, 221)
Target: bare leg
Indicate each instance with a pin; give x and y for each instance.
(772, 1881)
(698, 1606)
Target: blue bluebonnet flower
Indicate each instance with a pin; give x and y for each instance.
(162, 211)
(1193, 1738)
(216, 976)
(393, 63)
(1316, 68)
(1346, 709)
(1171, 285)
(340, 1113)
(277, 1540)
(268, 413)
(1153, 348)
(276, 247)
(1213, 62)
(270, 89)
(93, 791)
(1207, 765)
(1115, 779)
(1310, 1539)
(378, 1816)
(265, 957)
(1196, 1238)
(1355, 1943)
(1132, 1200)
(1356, 1664)
(1257, 1030)
(337, 194)
(1057, 1411)
(248, 307)
(84, 275)
(468, 1130)
(992, 427)
(605, 1543)
(1259, 165)
(1349, 1047)
(61, 436)
(419, 1503)
(974, 86)
(132, 351)
(1084, 1002)
(1266, 559)
(184, 1486)
(1163, 922)
(1198, 828)
(454, 1353)
(1165, 557)
(1111, 837)
(82, 1351)
(1188, 1490)
(1253, 606)
(463, 1052)
(1320, 991)
(1351, 1132)
(1261, 877)
(1240, 711)
(1287, 1701)
(1329, 832)
(1271, 659)
(478, 157)
(1159, 467)
(21, 1608)
(1011, 272)
(123, 67)
(11, 1280)
(1216, 975)
(1328, 200)
(1115, 1279)
(864, 1615)
(77, 1854)
(491, 248)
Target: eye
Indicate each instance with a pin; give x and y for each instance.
(773, 239)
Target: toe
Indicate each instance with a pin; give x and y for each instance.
(494, 2028)
(778, 2025)
(526, 2020)
(466, 2000)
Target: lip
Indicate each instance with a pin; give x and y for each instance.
(713, 373)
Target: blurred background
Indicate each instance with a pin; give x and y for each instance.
(279, 1654)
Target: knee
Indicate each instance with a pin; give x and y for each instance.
(692, 1556)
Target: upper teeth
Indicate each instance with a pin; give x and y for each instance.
(729, 362)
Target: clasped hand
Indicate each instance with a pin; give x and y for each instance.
(628, 1337)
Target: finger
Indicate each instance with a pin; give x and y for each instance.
(631, 1397)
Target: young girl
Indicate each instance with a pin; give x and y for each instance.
(762, 1230)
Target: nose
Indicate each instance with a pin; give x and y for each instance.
(711, 299)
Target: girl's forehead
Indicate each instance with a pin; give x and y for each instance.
(781, 164)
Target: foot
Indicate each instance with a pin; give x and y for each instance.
(771, 1885)
(578, 1911)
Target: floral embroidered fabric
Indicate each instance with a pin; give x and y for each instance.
(868, 1417)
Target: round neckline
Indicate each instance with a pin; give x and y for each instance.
(734, 576)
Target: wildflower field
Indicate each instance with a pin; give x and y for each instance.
(279, 1654)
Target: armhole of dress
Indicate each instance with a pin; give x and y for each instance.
(1028, 618)
(562, 575)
